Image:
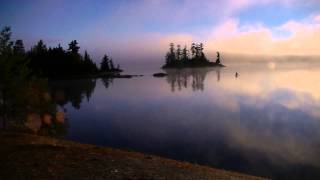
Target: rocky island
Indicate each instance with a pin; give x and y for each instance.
(184, 58)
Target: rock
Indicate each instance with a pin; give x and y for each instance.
(160, 75)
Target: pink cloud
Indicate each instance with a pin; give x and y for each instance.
(257, 39)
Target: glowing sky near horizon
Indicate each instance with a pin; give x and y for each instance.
(144, 28)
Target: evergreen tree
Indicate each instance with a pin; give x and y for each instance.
(73, 47)
(104, 65)
(5, 42)
(89, 65)
(181, 57)
(218, 58)
(18, 48)
(202, 55)
(87, 60)
(168, 58)
(193, 50)
(171, 55)
(201, 49)
(178, 56)
(185, 54)
(197, 48)
(40, 47)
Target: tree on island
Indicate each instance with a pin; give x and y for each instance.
(180, 58)
(218, 58)
(89, 65)
(104, 65)
(171, 56)
(185, 55)
(107, 65)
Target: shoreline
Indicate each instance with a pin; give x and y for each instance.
(39, 157)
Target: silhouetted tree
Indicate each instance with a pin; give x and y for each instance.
(178, 56)
(193, 49)
(89, 65)
(104, 65)
(171, 55)
(185, 56)
(5, 42)
(218, 58)
(18, 48)
(40, 47)
(73, 47)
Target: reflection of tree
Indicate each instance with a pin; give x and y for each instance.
(72, 91)
(218, 74)
(107, 82)
(180, 78)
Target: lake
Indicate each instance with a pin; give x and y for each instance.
(264, 122)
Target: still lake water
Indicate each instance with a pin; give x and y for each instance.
(264, 122)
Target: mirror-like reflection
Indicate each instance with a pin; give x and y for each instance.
(72, 91)
(263, 121)
(184, 78)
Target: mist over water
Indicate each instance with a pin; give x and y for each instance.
(264, 122)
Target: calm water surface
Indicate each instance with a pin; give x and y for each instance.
(264, 122)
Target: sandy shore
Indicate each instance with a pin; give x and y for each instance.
(25, 156)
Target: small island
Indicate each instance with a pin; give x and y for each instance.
(181, 58)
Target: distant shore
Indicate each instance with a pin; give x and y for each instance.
(36, 157)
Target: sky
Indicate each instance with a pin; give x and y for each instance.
(142, 29)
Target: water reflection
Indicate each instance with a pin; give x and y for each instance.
(107, 82)
(182, 78)
(73, 91)
(264, 122)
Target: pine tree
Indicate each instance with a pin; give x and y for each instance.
(171, 55)
(185, 54)
(178, 56)
(104, 65)
(193, 50)
(218, 58)
(5, 42)
(73, 47)
(18, 48)
(89, 65)
(40, 47)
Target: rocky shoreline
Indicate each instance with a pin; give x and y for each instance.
(24, 156)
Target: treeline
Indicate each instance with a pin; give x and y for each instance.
(56, 62)
(24, 78)
(184, 57)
